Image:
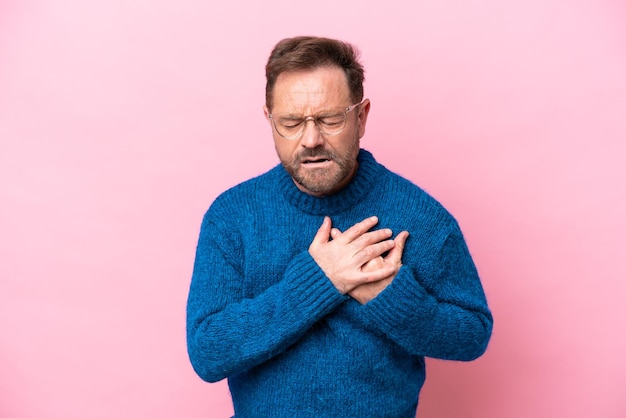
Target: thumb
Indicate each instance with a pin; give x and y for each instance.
(323, 233)
(395, 254)
(334, 233)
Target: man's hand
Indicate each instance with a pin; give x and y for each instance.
(368, 291)
(344, 258)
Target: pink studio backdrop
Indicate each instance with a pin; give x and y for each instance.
(121, 121)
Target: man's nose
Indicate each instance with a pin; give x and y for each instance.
(311, 136)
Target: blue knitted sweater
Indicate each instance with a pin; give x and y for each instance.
(263, 314)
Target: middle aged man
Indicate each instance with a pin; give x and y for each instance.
(333, 320)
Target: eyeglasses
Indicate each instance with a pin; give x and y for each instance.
(329, 122)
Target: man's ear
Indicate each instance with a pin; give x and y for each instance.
(266, 112)
(364, 110)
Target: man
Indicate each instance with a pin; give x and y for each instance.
(333, 320)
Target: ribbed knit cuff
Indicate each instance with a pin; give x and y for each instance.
(310, 292)
(401, 300)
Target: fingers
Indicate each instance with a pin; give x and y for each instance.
(359, 235)
(380, 269)
(366, 275)
(395, 255)
(323, 233)
(373, 237)
(360, 228)
(368, 244)
(373, 251)
(374, 264)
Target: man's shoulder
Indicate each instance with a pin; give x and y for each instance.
(266, 179)
(403, 185)
(412, 199)
(257, 188)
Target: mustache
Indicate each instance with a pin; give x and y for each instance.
(316, 153)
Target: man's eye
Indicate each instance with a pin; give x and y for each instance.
(332, 120)
(290, 123)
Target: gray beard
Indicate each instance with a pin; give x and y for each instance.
(319, 181)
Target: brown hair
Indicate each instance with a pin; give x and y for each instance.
(309, 53)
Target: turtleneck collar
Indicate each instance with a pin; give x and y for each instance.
(353, 193)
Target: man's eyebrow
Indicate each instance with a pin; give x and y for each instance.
(291, 116)
(323, 112)
(331, 111)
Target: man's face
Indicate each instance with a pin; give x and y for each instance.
(319, 164)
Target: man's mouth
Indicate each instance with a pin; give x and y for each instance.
(318, 160)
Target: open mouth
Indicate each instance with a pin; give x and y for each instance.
(315, 160)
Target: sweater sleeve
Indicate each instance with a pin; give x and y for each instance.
(441, 312)
(228, 333)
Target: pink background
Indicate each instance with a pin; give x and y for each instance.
(120, 121)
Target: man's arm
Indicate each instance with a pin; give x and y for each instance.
(439, 310)
(228, 334)
(443, 314)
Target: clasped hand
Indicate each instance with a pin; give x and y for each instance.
(353, 260)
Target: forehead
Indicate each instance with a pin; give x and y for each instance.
(311, 91)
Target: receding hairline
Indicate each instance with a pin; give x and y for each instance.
(345, 84)
(308, 53)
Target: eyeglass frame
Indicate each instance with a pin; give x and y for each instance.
(316, 123)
